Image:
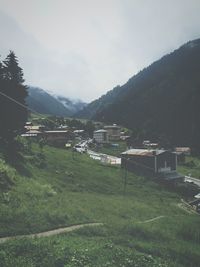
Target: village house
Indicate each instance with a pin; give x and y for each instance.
(159, 163)
(100, 136)
(28, 123)
(185, 150)
(57, 137)
(124, 137)
(63, 127)
(34, 127)
(134, 142)
(181, 152)
(151, 145)
(79, 133)
(114, 132)
(32, 133)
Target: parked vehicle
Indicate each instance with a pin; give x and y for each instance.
(80, 148)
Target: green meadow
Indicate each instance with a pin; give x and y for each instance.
(53, 188)
(112, 150)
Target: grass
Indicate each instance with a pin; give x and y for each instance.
(113, 150)
(191, 166)
(7, 176)
(64, 189)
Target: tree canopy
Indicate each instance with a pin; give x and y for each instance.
(13, 111)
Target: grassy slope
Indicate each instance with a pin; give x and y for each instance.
(62, 190)
(114, 151)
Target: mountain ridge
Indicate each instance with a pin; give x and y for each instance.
(161, 100)
(46, 102)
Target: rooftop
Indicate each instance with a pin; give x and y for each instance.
(33, 132)
(143, 152)
(56, 131)
(79, 131)
(101, 131)
(182, 149)
(114, 126)
(34, 127)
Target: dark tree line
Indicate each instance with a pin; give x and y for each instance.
(162, 102)
(13, 111)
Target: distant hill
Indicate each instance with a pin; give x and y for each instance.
(162, 100)
(46, 103)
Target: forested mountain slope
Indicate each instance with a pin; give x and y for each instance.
(161, 100)
(47, 103)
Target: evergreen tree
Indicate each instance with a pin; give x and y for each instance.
(12, 72)
(13, 112)
(89, 128)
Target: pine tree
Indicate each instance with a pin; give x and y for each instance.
(12, 115)
(12, 72)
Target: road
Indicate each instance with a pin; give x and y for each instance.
(192, 180)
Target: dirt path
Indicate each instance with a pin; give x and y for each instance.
(154, 219)
(183, 205)
(52, 232)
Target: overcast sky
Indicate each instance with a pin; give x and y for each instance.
(83, 48)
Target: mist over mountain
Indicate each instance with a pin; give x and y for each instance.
(161, 101)
(46, 103)
(74, 105)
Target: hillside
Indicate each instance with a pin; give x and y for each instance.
(161, 100)
(100, 104)
(56, 189)
(46, 103)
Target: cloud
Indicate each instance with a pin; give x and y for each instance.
(84, 48)
(65, 73)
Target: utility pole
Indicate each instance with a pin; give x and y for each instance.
(73, 151)
(125, 176)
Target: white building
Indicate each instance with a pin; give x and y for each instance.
(101, 136)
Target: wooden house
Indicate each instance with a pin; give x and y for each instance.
(32, 134)
(57, 137)
(114, 132)
(159, 163)
(79, 133)
(185, 150)
(34, 127)
(181, 153)
(28, 123)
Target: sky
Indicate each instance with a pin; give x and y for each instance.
(83, 48)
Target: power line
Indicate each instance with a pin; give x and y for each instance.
(24, 106)
(17, 102)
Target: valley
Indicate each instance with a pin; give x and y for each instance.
(112, 183)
